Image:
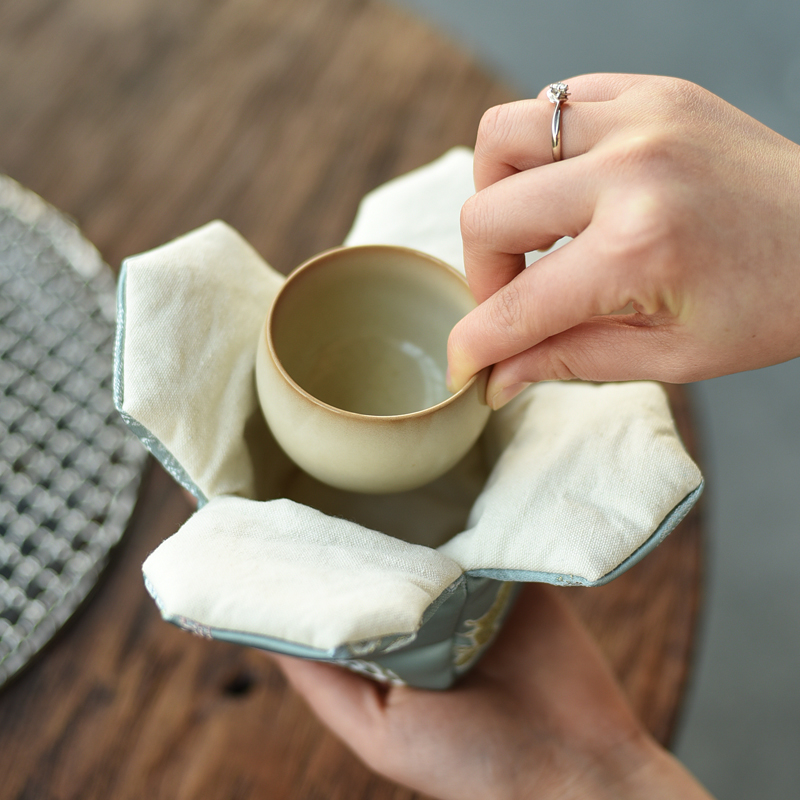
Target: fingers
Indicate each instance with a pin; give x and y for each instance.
(603, 349)
(515, 136)
(351, 706)
(544, 655)
(526, 641)
(527, 211)
(565, 288)
(518, 208)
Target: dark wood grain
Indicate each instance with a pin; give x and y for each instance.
(645, 620)
(144, 119)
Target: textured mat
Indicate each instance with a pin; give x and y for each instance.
(69, 469)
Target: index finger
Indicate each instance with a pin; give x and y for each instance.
(563, 289)
(527, 211)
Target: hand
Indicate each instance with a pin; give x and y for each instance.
(539, 716)
(679, 204)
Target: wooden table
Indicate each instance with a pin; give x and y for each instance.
(144, 119)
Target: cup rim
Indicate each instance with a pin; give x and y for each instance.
(308, 264)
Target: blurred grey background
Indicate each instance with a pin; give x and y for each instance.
(740, 732)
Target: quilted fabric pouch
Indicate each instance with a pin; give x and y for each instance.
(571, 483)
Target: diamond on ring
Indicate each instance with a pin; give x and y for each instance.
(557, 92)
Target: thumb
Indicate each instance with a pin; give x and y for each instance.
(626, 348)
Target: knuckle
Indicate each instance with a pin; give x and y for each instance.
(646, 229)
(647, 222)
(476, 220)
(646, 154)
(493, 127)
(680, 94)
(644, 249)
(555, 365)
(508, 311)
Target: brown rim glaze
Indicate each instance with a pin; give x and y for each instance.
(314, 262)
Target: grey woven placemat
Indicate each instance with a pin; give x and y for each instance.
(69, 469)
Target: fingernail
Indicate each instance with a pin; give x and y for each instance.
(500, 398)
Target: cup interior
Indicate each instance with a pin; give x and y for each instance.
(365, 329)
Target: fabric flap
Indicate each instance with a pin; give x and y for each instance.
(586, 475)
(191, 312)
(284, 570)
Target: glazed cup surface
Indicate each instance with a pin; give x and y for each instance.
(351, 369)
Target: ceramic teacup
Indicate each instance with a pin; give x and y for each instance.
(351, 369)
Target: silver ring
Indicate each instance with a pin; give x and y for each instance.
(557, 93)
